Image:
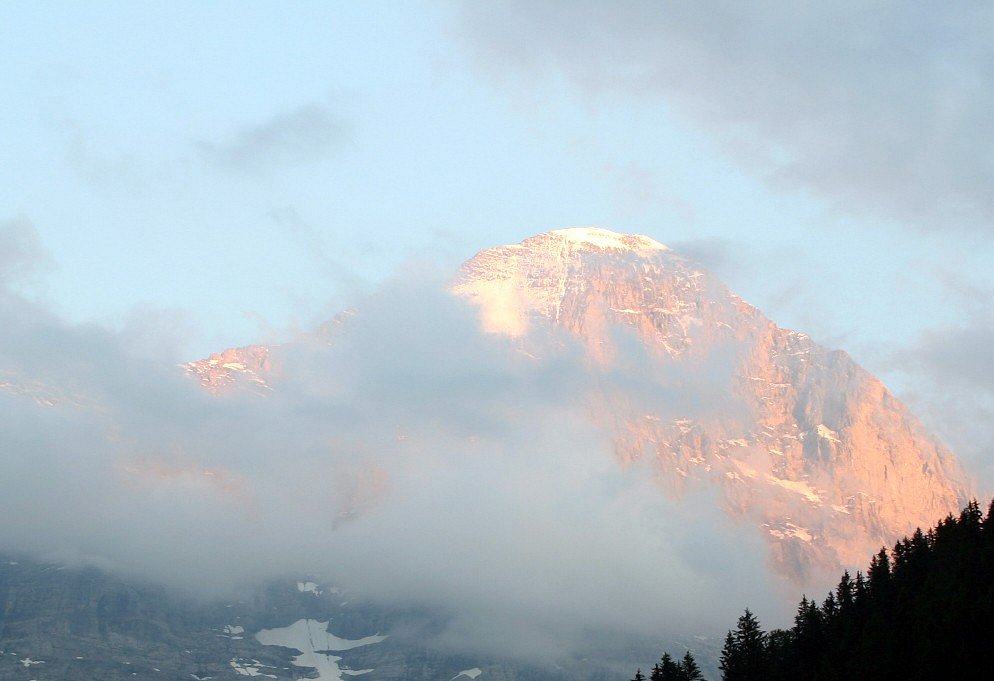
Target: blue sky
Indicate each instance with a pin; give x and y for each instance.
(242, 170)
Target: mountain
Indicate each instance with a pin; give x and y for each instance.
(60, 622)
(698, 395)
(810, 446)
(797, 440)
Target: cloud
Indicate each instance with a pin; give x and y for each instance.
(880, 108)
(21, 255)
(947, 374)
(414, 461)
(307, 134)
(99, 165)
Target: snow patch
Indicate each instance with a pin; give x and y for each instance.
(826, 433)
(313, 639)
(251, 668)
(791, 530)
(798, 487)
(309, 587)
(606, 239)
(468, 673)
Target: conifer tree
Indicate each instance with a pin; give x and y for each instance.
(844, 592)
(988, 522)
(830, 608)
(808, 639)
(670, 668)
(971, 518)
(878, 576)
(665, 669)
(744, 656)
(731, 662)
(688, 669)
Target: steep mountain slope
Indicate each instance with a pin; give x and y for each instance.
(808, 444)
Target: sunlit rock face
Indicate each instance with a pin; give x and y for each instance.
(250, 365)
(796, 439)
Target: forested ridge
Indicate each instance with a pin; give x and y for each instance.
(923, 610)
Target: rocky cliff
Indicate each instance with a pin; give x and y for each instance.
(799, 439)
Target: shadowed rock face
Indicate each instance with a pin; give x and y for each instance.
(792, 438)
(798, 439)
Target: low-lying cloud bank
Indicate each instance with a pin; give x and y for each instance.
(415, 460)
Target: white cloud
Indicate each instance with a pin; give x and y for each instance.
(881, 108)
(414, 461)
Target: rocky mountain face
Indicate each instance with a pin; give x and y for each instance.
(798, 440)
(247, 366)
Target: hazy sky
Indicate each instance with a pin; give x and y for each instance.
(177, 178)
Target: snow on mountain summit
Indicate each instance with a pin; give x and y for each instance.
(606, 239)
(513, 284)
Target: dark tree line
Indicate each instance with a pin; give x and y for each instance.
(668, 669)
(924, 610)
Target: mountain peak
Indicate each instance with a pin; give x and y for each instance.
(798, 438)
(513, 283)
(600, 238)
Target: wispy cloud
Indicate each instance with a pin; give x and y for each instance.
(307, 134)
(950, 370)
(21, 254)
(881, 108)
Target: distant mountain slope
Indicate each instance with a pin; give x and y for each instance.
(59, 622)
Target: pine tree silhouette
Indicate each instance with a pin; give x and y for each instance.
(688, 669)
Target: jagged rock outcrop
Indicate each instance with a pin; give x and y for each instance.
(250, 364)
